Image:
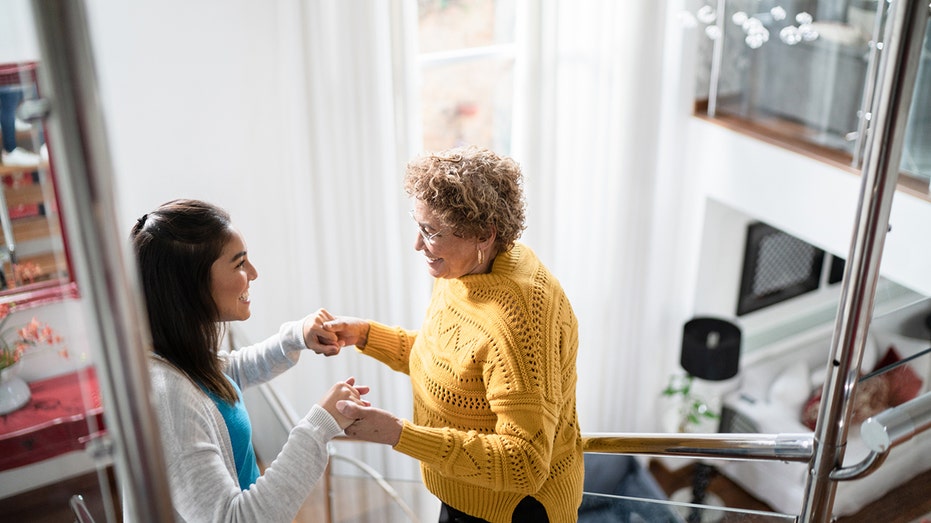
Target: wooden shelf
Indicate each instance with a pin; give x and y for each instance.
(25, 195)
(35, 228)
(13, 169)
(793, 137)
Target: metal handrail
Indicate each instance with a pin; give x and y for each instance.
(774, 447)
(898, 68)
(897, 425)
(880, 433)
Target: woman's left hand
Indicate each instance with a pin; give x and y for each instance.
(371, 424)
(344, 391)
(316, 338)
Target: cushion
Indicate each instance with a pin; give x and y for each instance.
(904, 382)
(872, 396)
(792, 387)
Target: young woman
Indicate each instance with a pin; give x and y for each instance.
(195, 275)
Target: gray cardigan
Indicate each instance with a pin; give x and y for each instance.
(199, 457)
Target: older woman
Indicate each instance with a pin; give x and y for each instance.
(493, 365)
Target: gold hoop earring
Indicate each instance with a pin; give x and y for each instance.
(481, 257)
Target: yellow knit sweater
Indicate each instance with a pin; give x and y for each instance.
(493, 373)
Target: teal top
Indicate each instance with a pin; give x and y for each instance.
(240, 430)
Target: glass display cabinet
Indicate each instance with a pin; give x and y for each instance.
(801, 73)
(34, 263)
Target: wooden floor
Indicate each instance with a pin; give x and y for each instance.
(910, 503)
(730, 493)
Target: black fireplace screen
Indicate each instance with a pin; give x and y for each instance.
(777, 266)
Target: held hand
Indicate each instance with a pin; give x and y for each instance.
(327, 334)
(316, 338)
(371, 424)
(348, 330)
(344, 391)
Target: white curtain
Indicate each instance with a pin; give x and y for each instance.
(608, 206)
(349, 133)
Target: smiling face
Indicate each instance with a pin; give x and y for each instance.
(230, 275)
(448, 256)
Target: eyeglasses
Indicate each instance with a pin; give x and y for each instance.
(429, 239)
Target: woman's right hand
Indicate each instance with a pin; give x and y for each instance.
(327, 334)
(344, 391)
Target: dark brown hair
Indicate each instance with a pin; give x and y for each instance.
(175, 246)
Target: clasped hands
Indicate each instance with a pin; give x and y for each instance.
(326, 334)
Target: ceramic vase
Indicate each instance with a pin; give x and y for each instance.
(14, 392)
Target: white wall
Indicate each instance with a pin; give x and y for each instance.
(807, 198)
(193, 109)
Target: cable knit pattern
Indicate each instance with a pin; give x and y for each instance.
(494, 375)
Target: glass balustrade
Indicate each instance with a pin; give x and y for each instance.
(801, 73)
(359, 497)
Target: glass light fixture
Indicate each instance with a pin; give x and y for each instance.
(756, 27)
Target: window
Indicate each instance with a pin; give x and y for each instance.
(467, 72)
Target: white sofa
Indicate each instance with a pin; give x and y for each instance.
(775, 388)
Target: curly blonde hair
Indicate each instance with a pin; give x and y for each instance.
(469, 189)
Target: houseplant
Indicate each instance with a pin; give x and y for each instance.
(14, 342)
(691, 409)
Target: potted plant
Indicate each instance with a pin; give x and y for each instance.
(14, 342)
(692, 410)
